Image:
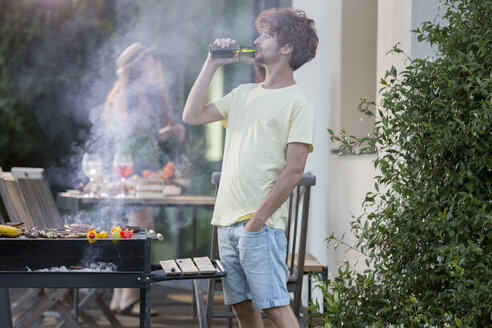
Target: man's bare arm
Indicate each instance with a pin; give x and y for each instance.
(196, 111)
(288, 179)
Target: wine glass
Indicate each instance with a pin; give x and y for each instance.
(123, 166)
(92, 167)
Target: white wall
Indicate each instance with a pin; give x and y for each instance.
(320, 79)
(422, 10)
(394, 25)
(359, 36)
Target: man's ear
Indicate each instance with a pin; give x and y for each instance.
(287, 49)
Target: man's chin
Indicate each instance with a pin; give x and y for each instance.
(258, 60)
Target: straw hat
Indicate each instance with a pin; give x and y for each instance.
(128, 53)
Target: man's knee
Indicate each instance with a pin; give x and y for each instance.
(247, 315)
(243, 308)
(282, 316)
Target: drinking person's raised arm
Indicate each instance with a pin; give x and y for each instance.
(196, 110)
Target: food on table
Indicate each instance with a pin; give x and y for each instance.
(147, 173)
(152, 186)
(172, 190)
(132, 183)
(168, 170)
(156, 184)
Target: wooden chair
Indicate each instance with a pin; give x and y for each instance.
(37, 196)
(12, 199)
(296, 233)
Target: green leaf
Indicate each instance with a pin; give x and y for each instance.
(393, 71)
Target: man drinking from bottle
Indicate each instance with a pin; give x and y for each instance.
(269, 133)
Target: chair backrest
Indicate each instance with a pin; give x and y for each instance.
(12, 199)
(36, 192)
(296, 233)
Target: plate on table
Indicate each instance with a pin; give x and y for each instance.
(172, 191)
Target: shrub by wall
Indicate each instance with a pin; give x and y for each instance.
(426, 228)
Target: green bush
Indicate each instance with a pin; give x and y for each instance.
(425, 230)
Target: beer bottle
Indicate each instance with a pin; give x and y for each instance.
(218, 52)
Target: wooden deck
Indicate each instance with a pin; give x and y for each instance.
(174, 307)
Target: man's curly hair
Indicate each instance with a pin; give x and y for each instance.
(293, 28)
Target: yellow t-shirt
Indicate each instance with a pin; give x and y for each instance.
(259, 124)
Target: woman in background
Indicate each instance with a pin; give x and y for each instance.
(138, 116)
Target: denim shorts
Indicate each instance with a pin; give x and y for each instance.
(255, 264)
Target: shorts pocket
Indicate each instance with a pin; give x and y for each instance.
(254, 252)
(280, 247)
(253, 233)
(281, 240)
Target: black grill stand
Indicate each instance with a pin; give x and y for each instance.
(143, 281)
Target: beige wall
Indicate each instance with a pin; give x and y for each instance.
(359, 25)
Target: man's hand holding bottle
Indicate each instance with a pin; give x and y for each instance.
(222, 43)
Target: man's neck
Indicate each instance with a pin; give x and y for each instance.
(278, 76)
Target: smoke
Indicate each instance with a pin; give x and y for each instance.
(180, 31)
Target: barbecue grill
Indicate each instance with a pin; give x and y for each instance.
(21, 257)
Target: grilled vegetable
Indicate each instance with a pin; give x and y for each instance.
(8, 231)
(31, 232)
(116, 236)
(91, 235)
(126, 234)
